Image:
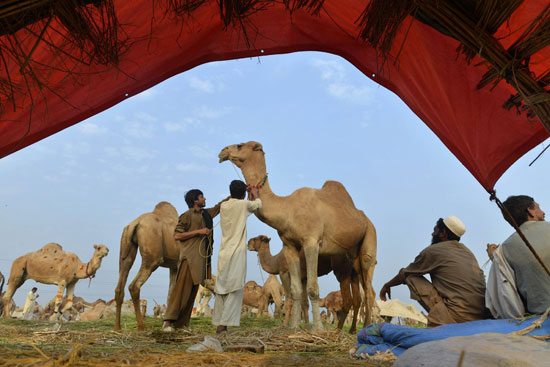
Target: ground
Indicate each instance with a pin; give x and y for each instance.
(44, 343)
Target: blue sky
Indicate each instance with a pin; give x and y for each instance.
(317, 117)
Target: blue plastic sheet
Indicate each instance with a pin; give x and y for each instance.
(396, 338)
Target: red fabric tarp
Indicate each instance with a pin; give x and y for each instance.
(438, 85)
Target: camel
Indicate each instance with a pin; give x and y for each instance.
(206, 291)
(321, 221)
(204, 295)
(153, 235)
(254, 297)
(52, 265)
(341, 266)
(78, 305)
(274, 293)
(334, 305)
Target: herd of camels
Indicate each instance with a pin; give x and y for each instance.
(321, 231)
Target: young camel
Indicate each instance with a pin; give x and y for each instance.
(52, 265)
(204, 295)
(321, 221)
(334, 303)
(153, 235)
(340, 265)
(254, 297)
(274, 293)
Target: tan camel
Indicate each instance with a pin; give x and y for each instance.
(204, 295)
(341, 265)
(153, 234)
(274, 293)
(334, 304)
(321, 221)
(78, 305)
(52, 265)
(254, 297)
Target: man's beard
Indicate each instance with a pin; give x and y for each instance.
(202, 205)
(435, 239)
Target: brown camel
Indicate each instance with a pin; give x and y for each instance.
(274, 293)
(204, 295)
(334, 304)
(341, 265)
(52, 265)
(321, 221)
(254, 297)
(153, 234)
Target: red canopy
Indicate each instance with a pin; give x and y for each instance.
(57, 90)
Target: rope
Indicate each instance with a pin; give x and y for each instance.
(534, 325)
(209, 248)
(511, 220)
(236, 171)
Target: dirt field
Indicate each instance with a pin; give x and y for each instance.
(43, 343)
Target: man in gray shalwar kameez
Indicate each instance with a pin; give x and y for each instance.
(231, 276)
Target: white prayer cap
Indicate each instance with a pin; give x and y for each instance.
(455, 225)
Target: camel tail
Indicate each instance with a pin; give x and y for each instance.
(2, 284)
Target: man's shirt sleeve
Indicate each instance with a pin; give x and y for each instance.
(422, 264)
(215, 210)
(254, 205)
(184, 223)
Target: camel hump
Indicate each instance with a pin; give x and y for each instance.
(335, 191)
(166, 212)
(52, 247)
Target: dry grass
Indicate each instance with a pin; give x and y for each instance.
(39, 343)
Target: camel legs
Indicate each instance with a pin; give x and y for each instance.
(143, 274)
(16, 280)
(345, 285)
(285, 281)
(356, 301)
(70, 294)
(305, 303)
(293, 259)
(311, 251)
(58, 300)
(124, 269)
(367, 259)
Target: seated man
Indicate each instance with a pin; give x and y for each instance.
(531, 280)
(457, 291)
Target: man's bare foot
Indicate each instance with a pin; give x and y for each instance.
(220, 329)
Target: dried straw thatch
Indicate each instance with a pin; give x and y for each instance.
(91, 27)
(473, 24)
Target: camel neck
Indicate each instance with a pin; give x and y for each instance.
(89, 268)
(254, 172)
(267, 261)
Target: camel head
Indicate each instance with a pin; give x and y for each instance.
(101, 251)
(240, 153)
(254, 244)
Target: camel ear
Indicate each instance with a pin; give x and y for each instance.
(258, 146)
(96, 247)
